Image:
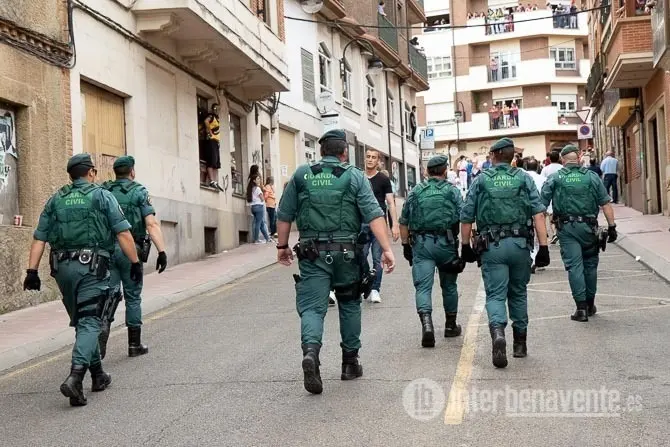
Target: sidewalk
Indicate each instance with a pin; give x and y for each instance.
(646, 236)
(39, 330)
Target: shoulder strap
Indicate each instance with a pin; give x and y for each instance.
(583, 170)
(127, 187)
(564, 171)
(490, 172)
(88, 188)
(316, 168)
(65, 190)
(512, 171)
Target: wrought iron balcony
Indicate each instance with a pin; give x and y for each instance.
(388, 32)
(594, 83)
(419, 62)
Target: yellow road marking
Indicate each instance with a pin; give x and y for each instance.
(457, 400)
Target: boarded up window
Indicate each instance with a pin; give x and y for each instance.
(9, 192)
(308, 76)
(103, 128)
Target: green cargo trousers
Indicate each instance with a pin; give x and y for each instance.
(80, 288)
(132, 291)
(317, 280)
(580, 254)
(506, 272)
(429, 252)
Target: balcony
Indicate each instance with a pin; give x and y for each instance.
(661, 37)
(388, 32)
(415, 12)
(225, 35)
(629, 51)
(565, 20)
(501, 74)
(594, 83)
(418, 62)
(501, 25)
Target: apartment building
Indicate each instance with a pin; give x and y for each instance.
(505, 68)
(629, 90)
(36, 51)
(346, 74)
(145, 72)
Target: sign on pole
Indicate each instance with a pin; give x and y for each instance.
(428, 138)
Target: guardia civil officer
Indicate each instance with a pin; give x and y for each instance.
(429, 233)
(329, 200)
(81, 223)
(505, 204)
(578, 194)
(136, 205)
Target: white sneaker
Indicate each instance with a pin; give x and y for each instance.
(374, 297)
(259, 242)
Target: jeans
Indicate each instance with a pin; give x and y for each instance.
(373, 244)
(610, 181)
(272, 220)
(258, 212)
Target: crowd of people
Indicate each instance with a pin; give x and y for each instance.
(504, 117)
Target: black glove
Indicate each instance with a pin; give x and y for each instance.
(611, 234)
(32, 281)
(467, 254)
(542, 258)
(161, 262)
(407, 253)
(136, 272)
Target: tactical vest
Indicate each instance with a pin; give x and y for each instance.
(77, 221)
(124, 192)
(574, 194)
(327, 206)
(432, 207)
(504, 201)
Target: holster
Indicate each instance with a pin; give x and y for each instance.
(53, 262)
(456, 266)
(100, 265)
(110, 304)
(367, 279)
(144, 248)
(601, 233)
(306, 249)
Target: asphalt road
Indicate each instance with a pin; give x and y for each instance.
(224, 370)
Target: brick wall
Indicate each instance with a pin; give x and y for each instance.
(468, 104)
(480, 55)
(365, 12)
(534, 48)
(420, 111)
(535, 96)
(280, 19)
(481, 98)
(632, 36)
(462, 60)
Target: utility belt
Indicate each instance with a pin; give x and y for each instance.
(311, 249)
(491, 235)
(561, 220)
(143, 247)
(448, 234)
(98, 261)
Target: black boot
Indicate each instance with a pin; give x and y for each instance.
(310, 368)
(105, 328)
(499, 351)
(351, 369)
(581, 314)
(519, 346)
(135, 346)
(451, 329)
(101, 380)
(73, 388)
(591, 308)
(427, 330)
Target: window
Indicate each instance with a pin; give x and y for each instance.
(503, 114)
(264, 11)
(325, 69)
(439, 67)
(236, 154)
(564, 58)
(372, 100)
(408, 122)
(308, 93)
(391, 111)
(502, 66)
(347, 92)
(9, 182)
(564, 103)
(310, 150)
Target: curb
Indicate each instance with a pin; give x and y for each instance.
(651, 260)
(30, 351)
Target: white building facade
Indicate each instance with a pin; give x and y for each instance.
(534, 60)
(144, 69)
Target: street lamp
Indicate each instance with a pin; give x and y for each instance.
(375, 65)
(311, 6)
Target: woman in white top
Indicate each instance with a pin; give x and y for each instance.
(256, 200)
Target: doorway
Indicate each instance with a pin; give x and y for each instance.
(654, 183)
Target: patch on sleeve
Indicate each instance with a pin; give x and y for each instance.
(149, 200)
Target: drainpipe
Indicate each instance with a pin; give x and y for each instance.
(404, 134)
(388, 117)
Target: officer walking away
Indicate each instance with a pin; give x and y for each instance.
(577, 194)
(505, 204)
(429, 233)
(136, 205)
(330, 200)
(79, 223)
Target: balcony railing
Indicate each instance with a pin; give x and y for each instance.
(500, 25)
(605, 12)
(565, 20)
(501, 120)
(505, 73)
(387, 32)
(419, 62)
(594, 78)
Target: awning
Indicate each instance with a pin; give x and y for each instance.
(621, 112)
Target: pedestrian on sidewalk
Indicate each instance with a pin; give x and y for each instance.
(81, 223)
(531, 169)
(256, 201)
(578, 195)
(429, 233)
(136, 205)
(610, 168)
(271, 204)
(505, 205)
(329, 201)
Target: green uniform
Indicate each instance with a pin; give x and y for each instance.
(329, 201)
(81, 217)
(502, 201)
(431, 214)
(136, 205)
(577, 195)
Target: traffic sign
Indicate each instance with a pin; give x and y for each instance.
(584, 132)
(584, 115)
(429, 134)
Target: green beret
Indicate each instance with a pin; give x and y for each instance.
(336, 134)
(82, 159)
(438, 160)
(127, 161)
(570, 148)
(502, 144)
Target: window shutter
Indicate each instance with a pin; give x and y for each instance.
(308, 93)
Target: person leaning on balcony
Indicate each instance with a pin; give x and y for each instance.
(506, 115)
(514, 115)
(380, 8)
(494, 115)
(493, 66)
(573, 15)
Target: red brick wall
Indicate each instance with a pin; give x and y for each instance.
(420, 111)
(632, 36)
(535, 96)
(462, 60)
(480, 55)
(280, 19)
(534, 48)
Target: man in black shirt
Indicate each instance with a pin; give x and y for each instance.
(383, 191)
